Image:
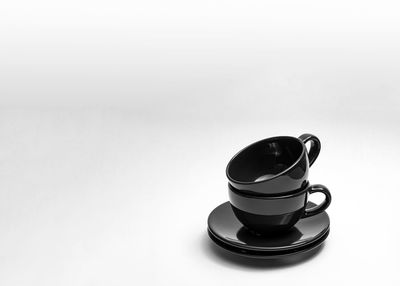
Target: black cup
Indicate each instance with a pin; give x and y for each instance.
(269, 215)
(276, 165)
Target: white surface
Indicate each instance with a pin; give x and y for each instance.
(107, 197)
(117, 121)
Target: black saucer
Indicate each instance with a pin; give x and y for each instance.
(229, 233)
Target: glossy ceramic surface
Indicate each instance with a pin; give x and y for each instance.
(228, 232)
(274, 165)
(273, 214)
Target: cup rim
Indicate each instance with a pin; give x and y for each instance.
(277, 196)
(276, 175)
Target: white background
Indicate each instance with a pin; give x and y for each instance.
(118, 118)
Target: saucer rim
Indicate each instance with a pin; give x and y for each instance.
(269, 249)
(266, 254)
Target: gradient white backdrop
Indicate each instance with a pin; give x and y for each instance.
(117, 119)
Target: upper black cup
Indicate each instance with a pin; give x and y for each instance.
(273, 166)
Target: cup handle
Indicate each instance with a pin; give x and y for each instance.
(321, 207)
(315, 146)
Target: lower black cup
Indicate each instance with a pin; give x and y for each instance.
(269, 215)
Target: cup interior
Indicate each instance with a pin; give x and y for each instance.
(265, 159)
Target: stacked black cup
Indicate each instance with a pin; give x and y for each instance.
(268, 183)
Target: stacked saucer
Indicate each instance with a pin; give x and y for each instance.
(269, 215)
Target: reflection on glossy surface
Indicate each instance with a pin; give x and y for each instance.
(250, 238)
(230, 233)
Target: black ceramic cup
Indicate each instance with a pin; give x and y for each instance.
(276, 165)
(269, 215)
